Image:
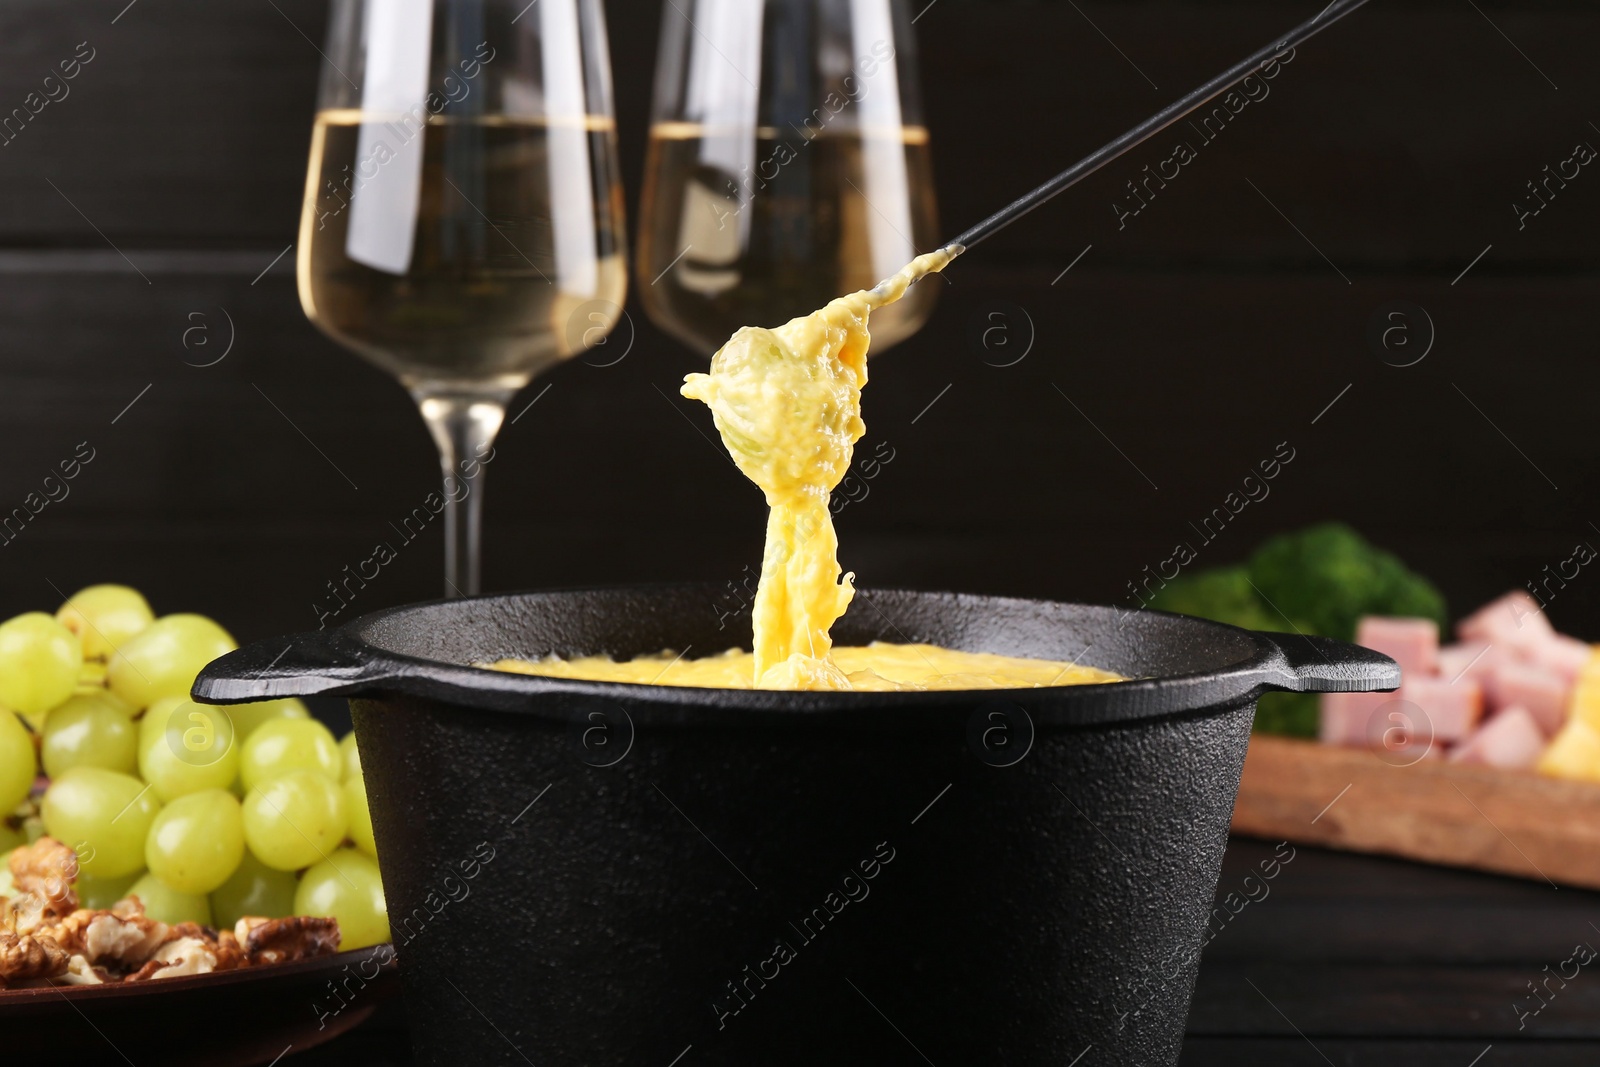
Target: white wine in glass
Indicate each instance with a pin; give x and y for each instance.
(462, 225)
(787, 165)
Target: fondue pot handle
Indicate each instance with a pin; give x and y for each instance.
(304, 664)
(1310, 664)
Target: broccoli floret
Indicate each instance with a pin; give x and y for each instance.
(1320, 580)
(1406, 593)
(1290, 714)
(1326, 577)
(1320, 577)
(1222, 594)
(1225, 595)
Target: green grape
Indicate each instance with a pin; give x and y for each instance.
(285, 745)
(352, 755)
(163, 660)
(18, 765)
(39, 663)
(166, 904)
(88, 732)
(10, 839)
(248, 717)
(185, 747)
(157, 717)
(295, 819)
(196, 842)
(101, 695)
(253, 889)
(355, 802)
(105, 617)
(101, 893)
(347, 887)
(104, 815)
(92, 675)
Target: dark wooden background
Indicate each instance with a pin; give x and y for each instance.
(1221, 321)
(1195, 339)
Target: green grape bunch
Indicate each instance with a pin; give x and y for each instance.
(207, 814)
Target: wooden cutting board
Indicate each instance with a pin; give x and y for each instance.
(1461, 816)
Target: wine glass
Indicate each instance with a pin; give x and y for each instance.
(463, 223)
(787, 165)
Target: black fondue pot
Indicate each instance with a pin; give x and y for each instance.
(609, 874)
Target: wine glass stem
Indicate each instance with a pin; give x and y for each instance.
(464, 427)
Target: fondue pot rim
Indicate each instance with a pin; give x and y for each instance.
(350, 661)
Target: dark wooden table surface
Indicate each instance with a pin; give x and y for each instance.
(1358, 960)
(1355, 961)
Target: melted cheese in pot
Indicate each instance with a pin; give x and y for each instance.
(875, 667)
(787, 402)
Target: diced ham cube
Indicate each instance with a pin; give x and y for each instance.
(1470, 659)
(1452, 711)
(1412, 643)
(1401, 731)
(1511, 740)
(1345, 716)
(1559, 654)
(1543, 693)
(1515, 620)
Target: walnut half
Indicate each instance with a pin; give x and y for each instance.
(105, 938)
(24, 957)
(47, 869)
(181, 956)
(297, 937)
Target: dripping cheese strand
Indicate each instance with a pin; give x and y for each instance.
(787, 402)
